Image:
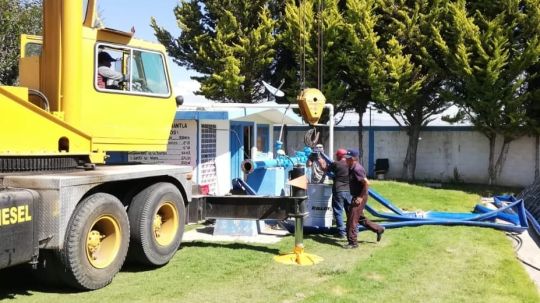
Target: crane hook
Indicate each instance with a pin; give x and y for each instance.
(311, 137)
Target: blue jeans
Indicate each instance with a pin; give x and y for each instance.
(341, 201)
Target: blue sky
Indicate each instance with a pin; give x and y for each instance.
(123, 14)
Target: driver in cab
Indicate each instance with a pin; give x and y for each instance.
(108, 78)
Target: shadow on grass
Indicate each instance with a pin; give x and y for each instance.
(331, 240)
(326, 239)
(135, 267)
(19, 281)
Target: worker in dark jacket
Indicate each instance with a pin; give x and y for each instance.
(359, 191)
(341, 195)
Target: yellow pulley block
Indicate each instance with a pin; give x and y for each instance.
(311, 102)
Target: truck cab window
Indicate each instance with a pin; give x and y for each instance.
(131, 71)
(32, 49)
(149, 73)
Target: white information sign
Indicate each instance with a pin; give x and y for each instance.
(181, 150)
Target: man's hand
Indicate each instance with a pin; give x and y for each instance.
(358, 200)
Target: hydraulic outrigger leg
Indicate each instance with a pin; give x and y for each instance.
(298, 256)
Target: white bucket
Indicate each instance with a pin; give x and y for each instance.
(319, 205)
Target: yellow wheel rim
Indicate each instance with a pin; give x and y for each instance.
(165, 225)
(103, 241)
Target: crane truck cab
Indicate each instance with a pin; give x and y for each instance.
(61, 210)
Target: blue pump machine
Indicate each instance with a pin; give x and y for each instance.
(269, 176)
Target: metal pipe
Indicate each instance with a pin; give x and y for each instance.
(331, 135)
(299, 213)
(299, 231)
(254, 142)
(250, 165)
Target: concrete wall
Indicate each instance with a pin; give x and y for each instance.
(444, 153)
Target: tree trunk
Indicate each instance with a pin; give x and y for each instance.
(491, 166)
(360, 111)
(409, 164)
(537, 158)
(501, 159)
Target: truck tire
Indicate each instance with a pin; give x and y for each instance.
(96, 242)
(157, 220)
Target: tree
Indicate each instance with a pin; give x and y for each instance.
(16, 17)
(357, 51)
(229, 43)
(317, 33)
(393, 38)
(488, 47)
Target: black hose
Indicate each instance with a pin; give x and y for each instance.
(519, 243)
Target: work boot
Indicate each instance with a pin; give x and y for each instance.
(379, 234)
(350, 246)
(340, 236)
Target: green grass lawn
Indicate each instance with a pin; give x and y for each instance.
(420, 264)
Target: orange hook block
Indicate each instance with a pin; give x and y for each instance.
(311, 102)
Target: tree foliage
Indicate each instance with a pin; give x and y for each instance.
(16, 17)
(409, 58)
(391, 39)
(231, 44)
(488, 46)
(318, 33)
(314, 31)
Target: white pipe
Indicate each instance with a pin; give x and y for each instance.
(263, 105)
(331, 135)
(254, 142)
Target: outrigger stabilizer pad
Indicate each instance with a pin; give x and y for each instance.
(298, 257)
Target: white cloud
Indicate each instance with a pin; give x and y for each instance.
(186, 88)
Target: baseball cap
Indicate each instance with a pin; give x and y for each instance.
(105, 57)
(352, 153)
(341, 152)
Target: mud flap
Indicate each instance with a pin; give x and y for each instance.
(18, 226)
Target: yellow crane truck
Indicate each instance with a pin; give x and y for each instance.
(60, 210)
(84, 91)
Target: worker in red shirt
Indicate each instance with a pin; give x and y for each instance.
(341, 193)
